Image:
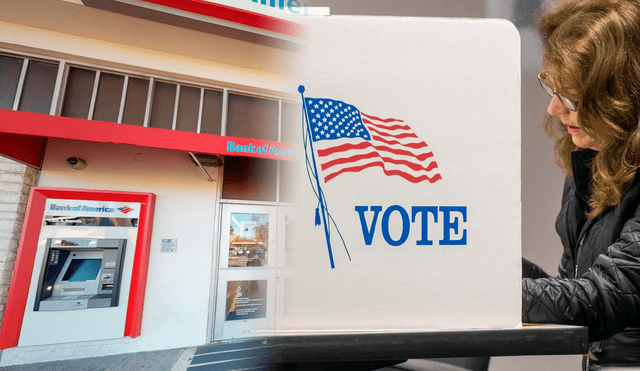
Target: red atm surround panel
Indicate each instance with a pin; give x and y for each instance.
(19, 290)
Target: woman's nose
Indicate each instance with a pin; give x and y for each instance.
(556, 107)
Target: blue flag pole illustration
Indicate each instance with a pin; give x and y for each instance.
(323, 211)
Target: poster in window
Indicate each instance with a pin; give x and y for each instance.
(246, 300)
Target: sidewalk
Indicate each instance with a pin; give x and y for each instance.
(222, 356)
(255, 355)
(163, 360)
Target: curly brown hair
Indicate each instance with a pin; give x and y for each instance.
(592, 53)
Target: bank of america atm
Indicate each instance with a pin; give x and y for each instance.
(80, 273)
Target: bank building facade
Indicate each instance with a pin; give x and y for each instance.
(150, 143)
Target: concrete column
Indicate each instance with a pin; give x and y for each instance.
(15, 182)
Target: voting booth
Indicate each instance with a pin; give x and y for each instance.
(407, 186)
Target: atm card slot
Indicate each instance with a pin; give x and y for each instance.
(71, 289)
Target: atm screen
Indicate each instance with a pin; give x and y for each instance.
(82, 270)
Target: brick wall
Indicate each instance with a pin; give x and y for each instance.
(15, 182)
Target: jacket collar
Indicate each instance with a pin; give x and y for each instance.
(580, 162)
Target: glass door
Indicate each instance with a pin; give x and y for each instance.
(246, 293)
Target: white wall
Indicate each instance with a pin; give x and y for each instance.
(176, 306)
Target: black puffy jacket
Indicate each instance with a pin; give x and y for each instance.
(598, 285)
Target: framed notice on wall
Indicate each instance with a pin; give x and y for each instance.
(82, 259)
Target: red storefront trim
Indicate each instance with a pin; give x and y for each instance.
(236, 15)
(36, 127)
(27, 149)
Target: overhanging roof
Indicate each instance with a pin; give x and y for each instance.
(213, 18)
(23, 135)
(234, 51)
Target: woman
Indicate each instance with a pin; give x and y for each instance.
(592, 71)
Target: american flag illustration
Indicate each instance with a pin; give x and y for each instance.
(348, 140)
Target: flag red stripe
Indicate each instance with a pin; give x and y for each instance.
(412, 165)
(410, 145)
(399, 136)
(388, 127)
(402, 174)
(379, 119)
(349, 147)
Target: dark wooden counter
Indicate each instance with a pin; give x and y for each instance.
(371, 350)
(528, 340)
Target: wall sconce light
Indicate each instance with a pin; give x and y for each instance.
(76, 163)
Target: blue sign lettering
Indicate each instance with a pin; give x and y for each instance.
(453, 224)
(425, 211)
(293, 6)
(405, 225)
(367, 233)
(450, 221)
(266, 149)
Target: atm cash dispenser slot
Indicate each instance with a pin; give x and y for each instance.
(80, 273)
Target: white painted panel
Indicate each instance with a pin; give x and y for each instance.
(456, 84)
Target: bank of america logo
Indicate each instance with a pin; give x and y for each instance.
(125, 209)
(349, 140)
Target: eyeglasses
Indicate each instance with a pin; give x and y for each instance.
(568, 103)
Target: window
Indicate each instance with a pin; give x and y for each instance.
(105, 102)
(77, 98)
(248, 178)
(162, 107)
(136, 101)
(28, 83)
(91, 93)
(10, 69)
(211, 112)
(188, 109)
(251, 117)
(109, 96)
(39, 84)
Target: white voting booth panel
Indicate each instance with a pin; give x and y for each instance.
(80, 284)
(413, 127)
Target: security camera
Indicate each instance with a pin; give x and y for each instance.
(76, 163)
